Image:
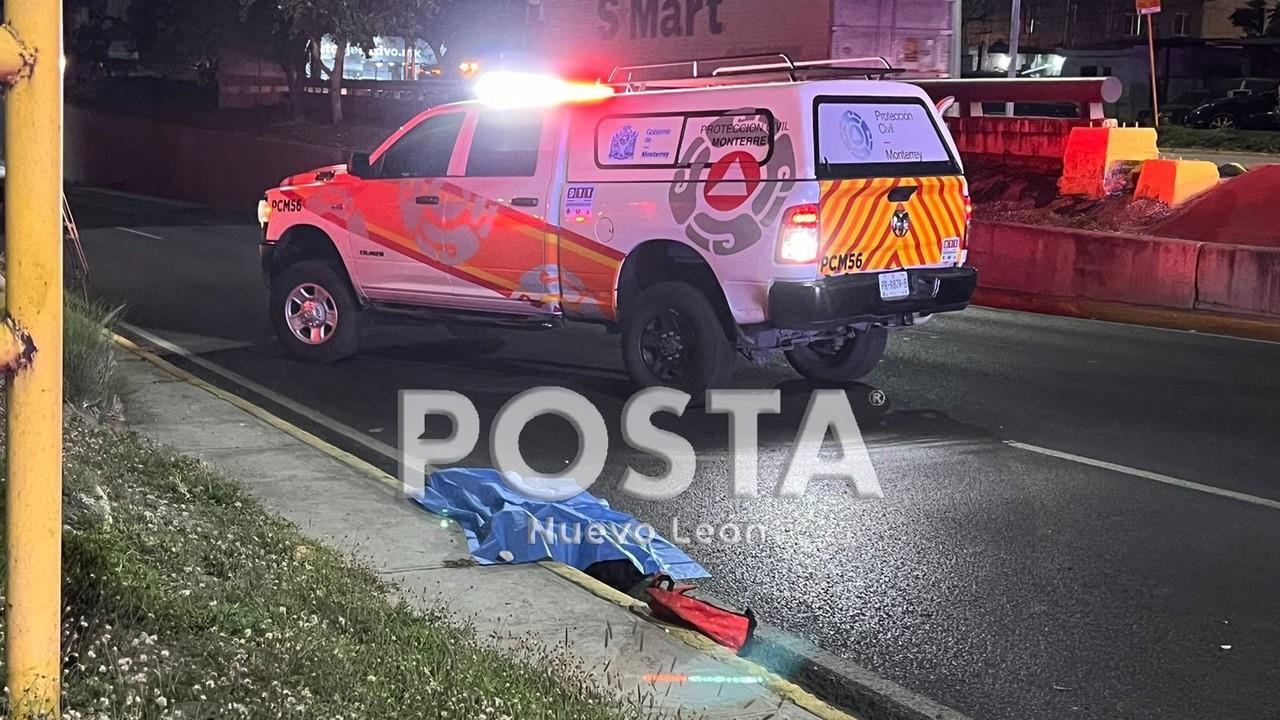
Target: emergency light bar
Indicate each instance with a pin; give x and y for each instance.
(505, 89)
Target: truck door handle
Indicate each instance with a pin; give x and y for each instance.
(427, 200)
(525, 202)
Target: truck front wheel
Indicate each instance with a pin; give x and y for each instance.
(314, 312)
(671, 337)
(840, 361)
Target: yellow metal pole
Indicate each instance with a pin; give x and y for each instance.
(33, 240)
(1151, 51)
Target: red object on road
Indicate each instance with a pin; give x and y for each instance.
(672, 604)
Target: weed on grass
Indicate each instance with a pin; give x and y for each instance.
(89, 356)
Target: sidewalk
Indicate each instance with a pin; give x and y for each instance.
(1221, 157)
(346, 504)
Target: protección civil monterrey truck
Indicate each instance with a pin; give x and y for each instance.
(746, 207)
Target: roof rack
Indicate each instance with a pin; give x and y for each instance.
(737, 69)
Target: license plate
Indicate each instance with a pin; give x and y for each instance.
(894, 285)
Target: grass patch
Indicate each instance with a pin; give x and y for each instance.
(89, 357)
(1257, 141)
(184, 598)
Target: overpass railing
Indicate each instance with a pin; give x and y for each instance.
(1088, 94)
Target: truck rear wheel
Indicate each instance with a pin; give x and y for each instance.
(671, 337)
(839, 361)
(314, 312)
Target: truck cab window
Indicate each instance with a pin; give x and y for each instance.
(505, 145)
(425, 150)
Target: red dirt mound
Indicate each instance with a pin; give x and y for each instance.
(1244, 210)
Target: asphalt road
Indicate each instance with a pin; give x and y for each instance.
(1002, 582)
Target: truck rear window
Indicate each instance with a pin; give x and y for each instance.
(859, 137)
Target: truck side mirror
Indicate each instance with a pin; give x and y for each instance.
(359, 165)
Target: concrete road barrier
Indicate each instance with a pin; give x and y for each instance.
(1062, 262)
(1238, 278)
(1053, 264)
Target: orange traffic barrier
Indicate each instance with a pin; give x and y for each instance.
(1097, 161)
(1173, 182)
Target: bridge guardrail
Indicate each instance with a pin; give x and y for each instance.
(1088, 94)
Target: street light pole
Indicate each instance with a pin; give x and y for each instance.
(33, 238)
(955, 68)
(1015, 32)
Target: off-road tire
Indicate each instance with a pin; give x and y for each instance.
(706, 354)
(344, 340)
(853, 360)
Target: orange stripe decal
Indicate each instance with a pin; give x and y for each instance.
(857, 220)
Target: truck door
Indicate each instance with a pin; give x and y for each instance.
(397, 227)
(504, 252)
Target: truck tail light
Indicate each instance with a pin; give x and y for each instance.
(798, 238)
(968, 209)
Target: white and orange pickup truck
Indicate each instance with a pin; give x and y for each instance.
(753, 209)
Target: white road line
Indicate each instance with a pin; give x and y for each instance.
(139, 232)
(1148, 475)
(336, 426)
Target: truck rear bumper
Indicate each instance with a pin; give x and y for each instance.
(855, 298)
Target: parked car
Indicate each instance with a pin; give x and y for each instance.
(1246, 111)
(805, 217)
(1176, 111)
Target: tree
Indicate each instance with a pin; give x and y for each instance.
(267, 29)
(977, 18)
(182, 33)
(1251, 18)
(467, 25)
(349, 23)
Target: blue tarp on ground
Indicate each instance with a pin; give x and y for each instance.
(496, 518)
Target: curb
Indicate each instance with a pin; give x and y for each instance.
(832, 677)
(779, 685)
(1190, 320)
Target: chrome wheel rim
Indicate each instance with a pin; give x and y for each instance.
(1222, 122)
(311, 313)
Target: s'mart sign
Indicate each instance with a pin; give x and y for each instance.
(612, 32)
(646, 19)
